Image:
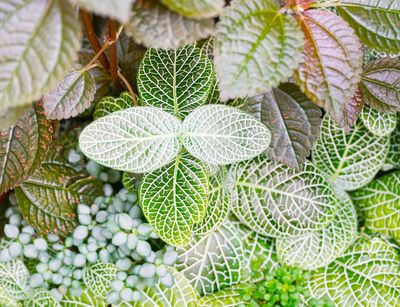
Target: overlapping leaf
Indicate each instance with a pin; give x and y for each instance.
(14, 279)
(118, 9)
(5, 300)
(98, 277)
(351, 111)
(208, 50)
(230, 297)
(329, 43)
(257, 46)
(109, 104)
(196, 9)
(378, 123)
(40, 298)
(393, 157)
(87, 299)
(39, 43)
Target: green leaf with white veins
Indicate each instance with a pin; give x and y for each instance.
(378, 123)
(393, 157)
(137, 140)
(86, 299)
(14, 279)
(196, 9)
(222, 135)
(256, 47)
(175, 80)
(39, 43)
(40, 297)
(174, 197)
(277, 201)
(109, 104)
(98, 277)
(230, 297)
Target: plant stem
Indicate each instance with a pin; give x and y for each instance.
(129, 87)
(112, 35)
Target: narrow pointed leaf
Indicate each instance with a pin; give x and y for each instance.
(196, 9)
(109, 104)
(378, 123)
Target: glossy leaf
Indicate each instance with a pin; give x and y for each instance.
(230, 297)
(378, 123)
(117, 9)
(256, 47)
(40, 298)
(137, 140)
(350, 160)
(332, 59)
(393, 157)
(219, 135)
(109, 104)
(352, 111)
(98, 277)
(294, 122)
(14, 279)
(39, 43)
(174, 197)
(196, 9)
(87, 299)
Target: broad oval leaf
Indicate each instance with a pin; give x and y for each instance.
(87, 299)
(175, 80)
(393, 157)
(222, 135)
(154, 26)
(138, 139)
(294, 122)
(276, 201)
(213, 262)
(329, 43)
(40, 298)
(378, 123)
(72, 95)
(380, 85)
(379, 203)
(14, 279)
(174, 197)
(368, 274)
(376, 22)
(256, 47)
(109, 104)
(350, 160)
(230, 297)
(98, 277)
(196, 9)
(23, 147)
(118, 9)
(39, 42)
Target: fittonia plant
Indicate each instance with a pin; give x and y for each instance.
(199, 153)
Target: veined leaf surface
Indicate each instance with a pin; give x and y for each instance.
(118, 9)
(393, 157)
(109, 104)
(378, 123)
(196, 9)
(352, 111)
(87, 299)
(40, 298)
(14, 279)
(98, 277)
(230, 297)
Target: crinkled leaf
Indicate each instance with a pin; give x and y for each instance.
(376, 22)
(40, 298)
(256, 47)
(213, 262)
(221, 135)
(87, 299)
(351, 111)
(154, 26)
(14, 279)
(332, 59)
(378, 123)
(393, 157)
(277, 201)
(174, 197)
(196, 9)
(230, 297)
(138, 140)
(109, 104)
(98, 277)
(39, 43)
(349, 160)
(294, 122)
(23, 147)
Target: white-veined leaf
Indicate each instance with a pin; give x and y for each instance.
(39, 42)
(109, 104)
(230, 297)
(138, 140)
(196, 9)
(118, 9)
(7, 301)
(14, 279)
(393, 157)
(98, 277)
(277, 201)
(221, 135)
(378, 123)
(87, 299)
(41, 298)
(349, 160)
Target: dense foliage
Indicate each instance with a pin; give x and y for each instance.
(199, 153)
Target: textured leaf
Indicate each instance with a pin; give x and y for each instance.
(351, 111)
(109, 104)
(319, 248)
(39, 42)
(368, 274)
(208, 50)
(220, 135)
(87, 299)
(393, 157)
(154, 26)
(230, 297)
(118, 9)
(98, 277)
(7, 301)
(14, 279)
(380, 85)
(332, 59)
(174, 197)
(293, 120)
(350, 160)
(257, 46)
(23, 147)
(138, 140)
(379, 203)
(378, 123)
(72, 95)
(177, 81)
(11, 116)
(376, 22)
(196, 9)
(276, 201)
(40, 298)
(129, 182)
(213, 262)
(48, 199)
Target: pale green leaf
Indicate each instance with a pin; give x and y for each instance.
(98, 277)
(39, 43)
(86, 299)
(257, 46)
(222, 135)
(138, 140)
(41, 298)
(378, 123)
(196, 9)
(393, 157)
(7, 301)
(230, 297)
(14, 279)
(109, 104)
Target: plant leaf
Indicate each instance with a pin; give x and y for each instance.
(376, 22)
(109, 104)
(175, 80)
(368, 274)
(276, 201)
(138, 140)
(14, 279)
(213, 262)
(129, 182)
(380, 85)
(378, 123)
(351, 111)
(256, 47)
(154, 26)
(87, 299)
(40, 298)
(393, 157)
(71, 96)
(294, 122)
(98, 277)
(174, 197)
(32, 63)
(23, 147)
(221, 135)
(230, 297)
(196, 9)
(350, 160)
(329, 43)
(5, 300)
(208, 50)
